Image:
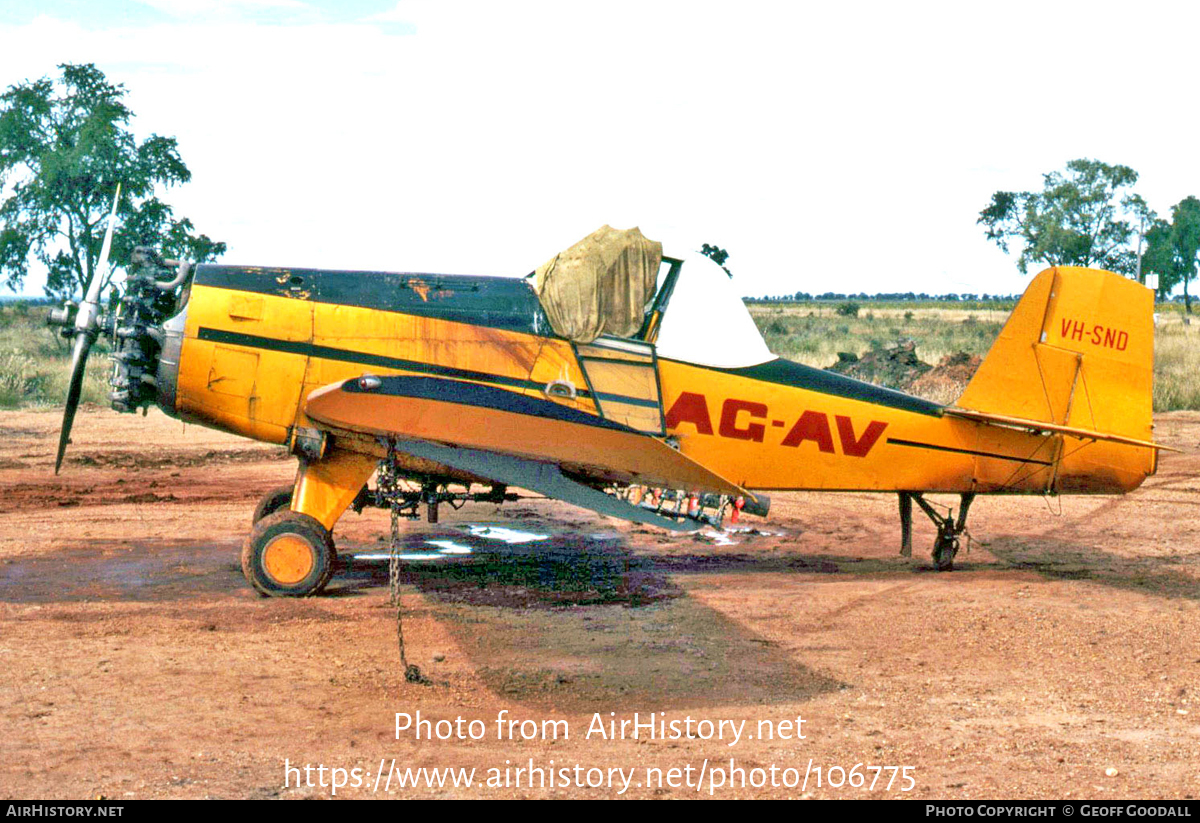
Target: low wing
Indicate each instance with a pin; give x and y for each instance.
(513, 439)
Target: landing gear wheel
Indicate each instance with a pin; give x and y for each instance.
(273, 501)
(948, 527)
(288, 555)
(944, 551)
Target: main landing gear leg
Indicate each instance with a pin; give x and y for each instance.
(949, 527)
(290, 550)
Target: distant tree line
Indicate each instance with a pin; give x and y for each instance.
(891, 297)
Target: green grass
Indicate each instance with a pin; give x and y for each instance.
(35, 363)
(1176, 363)
(814, 333)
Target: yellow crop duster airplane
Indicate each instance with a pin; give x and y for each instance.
(611, 369)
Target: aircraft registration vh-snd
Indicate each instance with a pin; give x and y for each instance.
(614, 378)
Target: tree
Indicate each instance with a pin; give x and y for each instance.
(64, 146)
(1172, 248)
(1086, 216)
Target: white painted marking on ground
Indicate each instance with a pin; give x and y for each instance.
(510, 536)
(720, 538)
(449, 547)
(438, 555)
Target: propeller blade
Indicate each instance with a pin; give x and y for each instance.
(90, 307)
(86, 324)
(83, 344)
(94, 290)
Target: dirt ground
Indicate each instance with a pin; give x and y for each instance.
(1059, 660)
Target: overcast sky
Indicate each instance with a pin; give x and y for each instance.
(827, 146)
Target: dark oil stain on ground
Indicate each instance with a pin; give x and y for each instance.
(133, 571)
(563, 571)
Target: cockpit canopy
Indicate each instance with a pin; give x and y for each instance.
(705, 321)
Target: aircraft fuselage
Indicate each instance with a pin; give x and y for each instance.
(257, 341)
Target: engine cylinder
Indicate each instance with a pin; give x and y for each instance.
(148, 334)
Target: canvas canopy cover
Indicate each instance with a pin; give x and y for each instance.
(600, 285)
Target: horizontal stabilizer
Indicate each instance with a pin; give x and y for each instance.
(544, 478)
(1042, 426)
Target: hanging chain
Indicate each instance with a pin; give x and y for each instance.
(389, 487)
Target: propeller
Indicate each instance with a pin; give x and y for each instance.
(87, 327)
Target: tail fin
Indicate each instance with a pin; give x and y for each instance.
(1077, 351)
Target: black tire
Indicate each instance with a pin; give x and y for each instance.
(288, 555)
(944, 551)
(273, 501)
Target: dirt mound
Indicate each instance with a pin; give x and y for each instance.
(898, 367)
(895, 366)
(946, 381)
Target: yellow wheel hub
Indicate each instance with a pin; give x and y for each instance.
(288, 559)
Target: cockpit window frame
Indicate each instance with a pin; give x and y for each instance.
(648, 333)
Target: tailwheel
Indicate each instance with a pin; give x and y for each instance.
(288, 555)
(944, 550)
(949, 527)
(273, 501)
